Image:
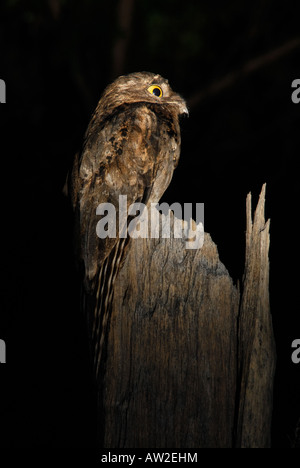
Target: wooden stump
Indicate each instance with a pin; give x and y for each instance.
(190, 359)
(256, 341)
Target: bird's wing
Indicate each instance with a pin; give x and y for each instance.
(131, 154)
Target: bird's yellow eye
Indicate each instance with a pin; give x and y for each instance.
(156, 90)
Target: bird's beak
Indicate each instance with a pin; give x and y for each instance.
(183, 110)
(180, 105)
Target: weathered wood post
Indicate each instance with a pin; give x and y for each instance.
(190, 358)
(255, 335)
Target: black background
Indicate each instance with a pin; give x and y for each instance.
(56, 58)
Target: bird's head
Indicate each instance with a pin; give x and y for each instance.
(141, 87)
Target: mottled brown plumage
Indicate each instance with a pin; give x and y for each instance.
(131, 148)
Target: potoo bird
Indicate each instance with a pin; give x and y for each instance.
(131, 147)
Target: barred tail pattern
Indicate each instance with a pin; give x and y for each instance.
(103, 303)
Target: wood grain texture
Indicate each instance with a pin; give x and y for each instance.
(257, 354)
(190, 364)
(171, 369)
